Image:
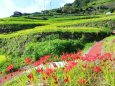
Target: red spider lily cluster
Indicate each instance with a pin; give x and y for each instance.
(28, 61)
(97, 69)
(82, 81)
(48, 71)
(70, 65)
(66, 79)
(42, 60)
(72, 62)
(30, 76)
(72, 56)
(10, 67)
(39, 70)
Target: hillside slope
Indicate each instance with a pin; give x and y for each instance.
(86, 7)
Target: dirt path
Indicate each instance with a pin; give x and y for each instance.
(96, 49)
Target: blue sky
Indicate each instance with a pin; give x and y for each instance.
(7, 7)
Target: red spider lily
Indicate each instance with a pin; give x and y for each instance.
(81, 81)
(30, 76)
(64, 56)
(71, 56)
(39, 70)
(97, 69)
(70, 65)
(105, 56)
(84, 58)
(42, 60)
(28, 61)
(89, 58)
(85, 65)
(66, 79)
(55, 79)
(79, 54)
(10, 67)
(48, 71)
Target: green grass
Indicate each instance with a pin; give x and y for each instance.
(109, 44)
(2, 59)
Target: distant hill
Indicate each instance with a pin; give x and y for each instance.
(89, 7)
(79, 7)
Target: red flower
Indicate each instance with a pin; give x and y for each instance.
(70, 65)
(81, 81)
(105, 56)
(28, 61)
(39, 70)
(85, 65)
(9, 68)
(30, 77)
(71, 56)
(89, 58)
(79, 54)
(84, 58)
(54, 77)
(97, 69)
(66, 79)
(42, 60)
(64, 56)
(48, 71)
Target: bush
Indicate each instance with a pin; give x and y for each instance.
(53, 47)
(16, 45)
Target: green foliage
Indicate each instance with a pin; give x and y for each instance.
(16, 45)
(11, 27)
(2, 59)
(109, 44)
(16, 61)
(107, 24)
(54, 47)
(81, 7)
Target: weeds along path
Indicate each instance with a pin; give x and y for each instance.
(94, 50)
(8, 77)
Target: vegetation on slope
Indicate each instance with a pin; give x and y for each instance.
(109, 44)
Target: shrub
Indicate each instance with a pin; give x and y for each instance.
(53, 47)
(16, 45)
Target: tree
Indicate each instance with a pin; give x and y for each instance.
(17, 14)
